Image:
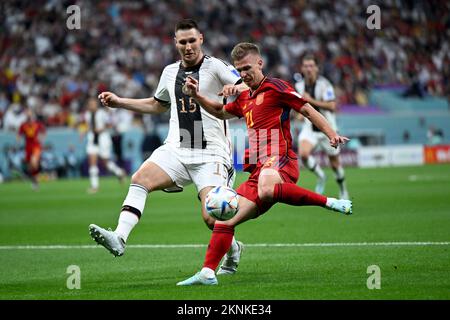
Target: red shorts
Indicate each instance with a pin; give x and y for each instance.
(33, 150)
(287, 167)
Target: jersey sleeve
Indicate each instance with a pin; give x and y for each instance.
(226, 73)
(234, 108)
(162, 93)
(291, 99)
(328, 93)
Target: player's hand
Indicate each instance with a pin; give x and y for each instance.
(109, 99)
(229, 90)
(190, 87)
(338, 140)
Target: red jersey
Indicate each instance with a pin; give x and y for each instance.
(31, 130)
(266, 111)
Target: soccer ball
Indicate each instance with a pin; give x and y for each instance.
(222, 203)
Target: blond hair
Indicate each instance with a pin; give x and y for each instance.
(243, 49)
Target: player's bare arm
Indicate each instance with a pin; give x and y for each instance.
(328, 105)
(147, 105)
(213, 107)
(320, 122)
(229, 90)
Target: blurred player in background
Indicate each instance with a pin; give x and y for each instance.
(197, 149)
(265, 107)
(319, 93)
(99, 144)
(34, 133)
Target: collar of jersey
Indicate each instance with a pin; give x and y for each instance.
(194, 67)
(252, 92)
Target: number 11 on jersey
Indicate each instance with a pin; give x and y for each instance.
(249, 118)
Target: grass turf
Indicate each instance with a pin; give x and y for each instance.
(408, 204)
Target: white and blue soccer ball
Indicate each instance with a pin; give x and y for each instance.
(222, 203)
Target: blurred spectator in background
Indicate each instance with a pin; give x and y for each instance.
(71, 163)
(435, 136)
(406, 136)
(15, 160)
(52, 165)
(14, 117)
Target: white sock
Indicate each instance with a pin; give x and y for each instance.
(339, 173)
(127, 221)
(314, 166)
(133, 205)
(234, 247)
(207, 272)
(114, 168)
(340, 177)
(93, 176)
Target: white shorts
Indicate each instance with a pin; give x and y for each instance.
(207, 174)
(102, 148)
(319, 141)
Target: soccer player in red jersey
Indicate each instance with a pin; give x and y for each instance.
(33, 131)
(265, 106)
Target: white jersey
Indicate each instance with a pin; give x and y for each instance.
(321, 90)
(196, 135)
(98, 121)
(98, 143)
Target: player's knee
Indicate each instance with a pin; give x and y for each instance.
(209, 221)
(139, 178)
(265, 193)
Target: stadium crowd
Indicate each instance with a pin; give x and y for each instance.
(122, 46)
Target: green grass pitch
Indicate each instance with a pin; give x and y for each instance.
(391, 205)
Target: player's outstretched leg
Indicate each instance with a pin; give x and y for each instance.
(293, 194)
(107, 238)
(231, 260)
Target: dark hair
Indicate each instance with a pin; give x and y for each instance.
(186, 24)
(310, 56)
(242, 49)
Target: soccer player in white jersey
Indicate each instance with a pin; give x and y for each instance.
(319, 93)
(197, 149)
(99, 144)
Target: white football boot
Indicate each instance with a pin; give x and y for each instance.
(231, 262)
(107, 238)
(340, 205)
(199, 279)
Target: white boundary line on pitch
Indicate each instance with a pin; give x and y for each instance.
(164, 246)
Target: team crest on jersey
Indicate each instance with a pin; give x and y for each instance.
(260, 98)
(30, 131)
